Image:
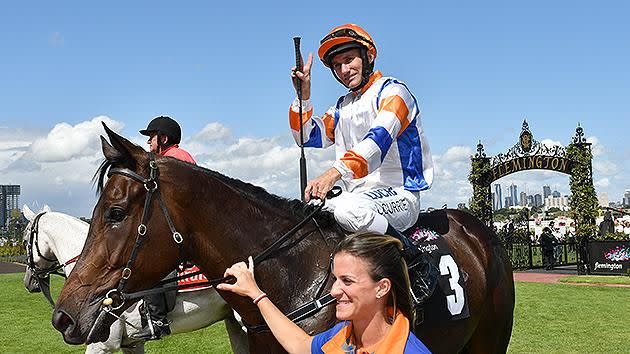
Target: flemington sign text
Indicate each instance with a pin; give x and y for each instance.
(523, 163)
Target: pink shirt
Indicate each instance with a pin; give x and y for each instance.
(180, 154)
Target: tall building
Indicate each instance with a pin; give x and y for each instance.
(546, 192)
(508, 202)
(498, 197)
(9, 200)
(523, 199)
(530, 201)
(513, 195)
(626, 198)
(538, 200)
(556, 194)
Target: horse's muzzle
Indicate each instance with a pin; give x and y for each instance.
(67, 325)
(31, 282)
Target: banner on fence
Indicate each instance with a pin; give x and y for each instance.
(609, 257)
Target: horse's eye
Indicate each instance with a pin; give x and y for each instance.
(115, 214)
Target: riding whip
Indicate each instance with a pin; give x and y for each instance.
(298, 67)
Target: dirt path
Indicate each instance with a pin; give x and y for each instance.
(551, 278)
(6, 268)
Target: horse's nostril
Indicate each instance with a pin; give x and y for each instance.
(62, 321)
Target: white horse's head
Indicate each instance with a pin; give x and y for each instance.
(52, 238)
(40, 256)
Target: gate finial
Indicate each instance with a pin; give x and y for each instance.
(579, 135)
(480, 152)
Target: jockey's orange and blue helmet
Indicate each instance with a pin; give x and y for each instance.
(346, 37)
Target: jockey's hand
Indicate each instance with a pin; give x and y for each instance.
(320, 186)
(304, 77)
(245, 283)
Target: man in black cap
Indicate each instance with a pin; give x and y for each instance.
(164, 136)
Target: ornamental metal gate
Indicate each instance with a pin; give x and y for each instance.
(529, 154)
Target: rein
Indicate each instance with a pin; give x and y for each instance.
(151, 186)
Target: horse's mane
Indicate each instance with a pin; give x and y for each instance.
(248, 190)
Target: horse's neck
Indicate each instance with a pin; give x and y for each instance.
(66, 237)
(221, 203)
(231, 224)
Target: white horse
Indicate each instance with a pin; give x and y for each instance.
(59, 239)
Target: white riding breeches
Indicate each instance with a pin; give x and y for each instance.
(374, 209)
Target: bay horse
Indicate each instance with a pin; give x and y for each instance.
(154, 211)
(54, 240)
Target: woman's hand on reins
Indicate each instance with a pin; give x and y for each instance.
(245, 284)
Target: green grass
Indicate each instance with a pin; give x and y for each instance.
(596, 279)
(561, 318)
(549, 318)
(26, 326)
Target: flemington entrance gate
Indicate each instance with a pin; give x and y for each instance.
(528, 154)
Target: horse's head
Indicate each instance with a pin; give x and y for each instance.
(40, 257)
(129, 246)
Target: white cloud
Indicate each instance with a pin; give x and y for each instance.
(212, 132)
(602, 183)
(596, 147)
(65, 142)
(605, 167)
(458, 154)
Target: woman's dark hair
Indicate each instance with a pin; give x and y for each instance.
(383, 254)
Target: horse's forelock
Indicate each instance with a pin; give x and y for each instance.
(99, 176)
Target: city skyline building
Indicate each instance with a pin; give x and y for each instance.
(602, 199)
(9, 200)
(498, 197)
(513, 195)
(523, 199)
(546, 191)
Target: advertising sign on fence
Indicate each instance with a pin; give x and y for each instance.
(609, 257)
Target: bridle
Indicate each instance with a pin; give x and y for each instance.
(42, 275)
(115, 298)
(151, 186)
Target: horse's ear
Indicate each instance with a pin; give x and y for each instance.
(120, 149)
(28, 213)
(109, 152)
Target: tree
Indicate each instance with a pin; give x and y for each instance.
(16, 225)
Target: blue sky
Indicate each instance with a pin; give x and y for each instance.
(222, 70)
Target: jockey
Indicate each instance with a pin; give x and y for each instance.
(382, 156)
(164, 136)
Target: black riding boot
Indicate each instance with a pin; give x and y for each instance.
(157, 322)
(422, 274)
